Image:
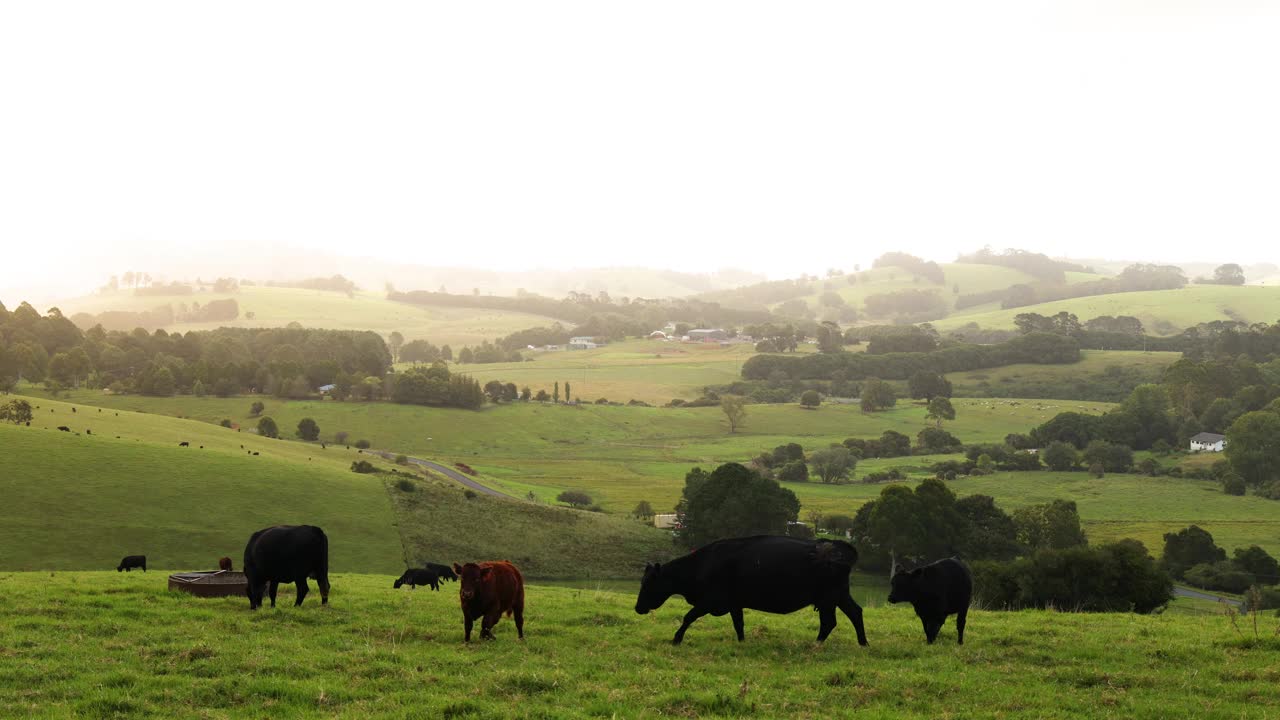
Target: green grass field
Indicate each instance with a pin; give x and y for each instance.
(108, 645)
(1094, 369)
(277, 307)
(82, 501)
(651, 371)
(1162, 312)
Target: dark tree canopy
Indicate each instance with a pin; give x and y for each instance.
(732, 501)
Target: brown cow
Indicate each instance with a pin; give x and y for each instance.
(488, 590)
(224, 563)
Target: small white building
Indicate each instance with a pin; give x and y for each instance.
(664, 521)
(1208, 442)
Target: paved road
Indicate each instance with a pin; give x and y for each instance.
(447, 472)
(1189, 593)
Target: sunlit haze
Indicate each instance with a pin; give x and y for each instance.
(772, 137)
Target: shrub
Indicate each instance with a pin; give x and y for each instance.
(1061, 456)
(884, 476)
(794, 471)
(810, 399)
(1112, 457)
(362, 444)
(226, 423)
(308, 429)
(577, 498)
(256, 408)
(1233, 484)
(402, 459)
(405, 485)
(267, 428)
(1096, 470)
(469, 494)
(362, 466)
(1223, 576)
(340, 437)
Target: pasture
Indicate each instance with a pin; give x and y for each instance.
(1096, 369)
(102, 644)
(277, 307)
(1162, 312)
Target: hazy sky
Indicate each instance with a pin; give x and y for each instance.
(779, 137)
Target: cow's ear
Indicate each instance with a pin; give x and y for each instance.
(657, 567)
(457, 568)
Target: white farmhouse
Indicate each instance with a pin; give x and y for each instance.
(1208, 442)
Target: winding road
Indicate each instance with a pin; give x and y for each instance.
(447, 471)
(1189, 593)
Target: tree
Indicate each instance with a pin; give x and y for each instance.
(936, 440)
(734, 408)
(256, 408)
(308, 430)
(833, 464)
(940, 408)
(555, 394)
(17, 412)
(396, 341)
(526, 394)
(830, 339)
(643, 510)
(567, 391)
(732, 501)
(198, 389)
(793, 471)
(877, 395)
(1255, 561)
(162, 382)
(1112, 457)
(1228, 274)
(446, 353)
(1253, 447)
(927, 385)
(1189, 547)
(990, 533)
(575, 498)
(1060, 456)
(495, 390)
(267, 428)
(810, 399)
(1049, 525)
(466, 356)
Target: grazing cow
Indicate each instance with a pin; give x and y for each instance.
(88, 431)
(444, 572)
(769, 573)
(64, 428)
(488, 590)
(255, 452)
(288, 554)
(224, 563)
(936, 591)
(413, 577)
(129, 562)
(184, 443)
(73, 409)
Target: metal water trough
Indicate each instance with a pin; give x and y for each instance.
(215, 583)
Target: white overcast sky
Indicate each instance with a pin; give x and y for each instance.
(779, 137)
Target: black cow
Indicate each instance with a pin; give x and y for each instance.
(936, 591)
(444, 572)
(413, 577)
(286, 554)
(768, 573)
(64, 428)
(184, 443)
(130, 562)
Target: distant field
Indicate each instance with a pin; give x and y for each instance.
(646, 370)
(277, 307)
(78, 501)
(1096, 368)
(1162, 312)
(104, 645)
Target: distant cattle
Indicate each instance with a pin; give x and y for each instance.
(488, 590)
(184, 443)
(255, 452)
(288, 554)
(224, 563)
(444, 572)
(130, 562)
(64, 428)
(413, 577)
(88, 431)
(73, 409)
(936, 591)
(768, 573)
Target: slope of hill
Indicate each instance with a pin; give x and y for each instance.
(1162, 312)
(120, 484)
(277, 307)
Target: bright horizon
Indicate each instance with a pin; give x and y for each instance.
(778, 140)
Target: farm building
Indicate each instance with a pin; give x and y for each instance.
(664, 521)
(1208, 442)
(708, 335)
(582, 343)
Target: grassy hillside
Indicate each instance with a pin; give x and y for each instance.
(277, 307)
(1096, 370)
(95, 644)
(646, 370)
(1162, 312)
(84, 500)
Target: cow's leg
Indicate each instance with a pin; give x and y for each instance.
(302, 590)
(961, 617)
(466, 625)
(925, 624)
(272, 588)
(322, 581)
(517, 613)
(736, 614)
(689, 617)
(826, 621)
(931, 631)
(491, 619)
(853, 611)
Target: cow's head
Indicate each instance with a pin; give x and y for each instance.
(654, 589)
(903, 586)
(255, 589)
(472, 577)
(399, 581)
